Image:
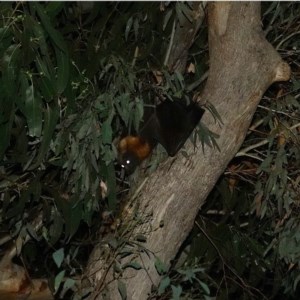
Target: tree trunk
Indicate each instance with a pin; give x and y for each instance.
(242, 66)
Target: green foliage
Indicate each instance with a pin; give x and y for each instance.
(72, 78)
(185, 277)
(58, 257)
(278, 188)
(46, 140)
(160, 267)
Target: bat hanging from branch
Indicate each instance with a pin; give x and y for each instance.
(171, 123)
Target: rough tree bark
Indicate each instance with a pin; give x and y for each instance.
(242, 66)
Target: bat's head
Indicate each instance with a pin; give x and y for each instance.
(129, 161)
(132, 151)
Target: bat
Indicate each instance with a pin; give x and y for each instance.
(170, 125)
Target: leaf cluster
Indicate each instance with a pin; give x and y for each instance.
(73, 76)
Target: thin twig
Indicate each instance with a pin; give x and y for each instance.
(170, 44)
(244, 151)
(287, 38)
(135, 56)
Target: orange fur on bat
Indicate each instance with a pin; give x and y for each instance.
(135, 145)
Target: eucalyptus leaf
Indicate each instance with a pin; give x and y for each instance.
(160, 267)
(122, 289)
(6, 123)
(33, 111)
(51, 116)
(167, 18)
(68, 284)
(136, 28)
(164, 283)
(56, 228)
(58, 280)
(63, 70)
(134, 265)
(53, 8)
(59, 256)
(128, 27)
(53, 33)
(73, 216)
(176, 292)
(106, 131)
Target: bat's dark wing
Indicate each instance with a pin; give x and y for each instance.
(174, 122)
(171, 124)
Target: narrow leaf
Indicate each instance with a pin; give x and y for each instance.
(135, 265)
(51, 116)
(122, 289)
(56, 229)
(176, 292)
(58, 257)
(33, 112)
(58, 279)
(5, 129)
(63, 69)
(54, 34)
(167, 18)
(165, 282)
(128, 27)
(160, 267)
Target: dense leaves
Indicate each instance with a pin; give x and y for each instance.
(73, 76)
